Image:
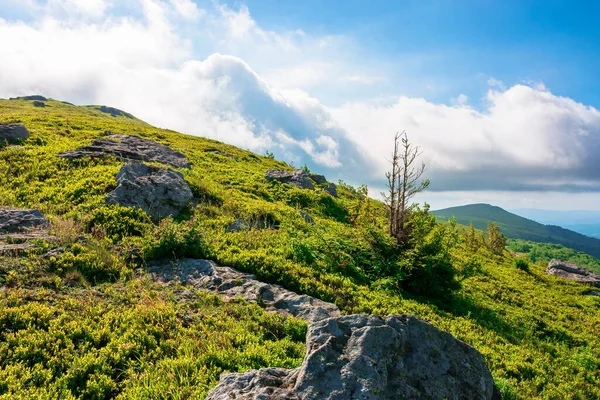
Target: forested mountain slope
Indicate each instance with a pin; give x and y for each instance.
(516, 227)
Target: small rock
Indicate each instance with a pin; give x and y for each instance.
(320, 179)
(331, 189)
(306, 217)
(368, 357)
(220, 153)
(38, 103)
(573, 272)
(230, 283)
(130, 148)
(54, 253)
(160, 192)
(593, 293)
(237, 226)
(13, 132)
(298, 178)
(15, 220)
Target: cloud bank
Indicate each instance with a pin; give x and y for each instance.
(214, 72)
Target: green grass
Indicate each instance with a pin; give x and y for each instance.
(538, 334)
(516, 227)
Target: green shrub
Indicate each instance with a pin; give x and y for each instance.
(118, 222)
(172, 239)
(522, 264)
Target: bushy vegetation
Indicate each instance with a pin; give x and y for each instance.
(544, 252)
(84, 322)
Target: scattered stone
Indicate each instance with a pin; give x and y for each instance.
(230, 283)
(573, 272)
(13, 132)
(160, 192)
(220, 153)
(34, 97)
(237, 226)
(298, 178)
(370, 358)
(130, 148)
(306, 217)
(38, 103)
(593, 293)
(320, 179)
(15, 220)
(54, 253)
(331, 189)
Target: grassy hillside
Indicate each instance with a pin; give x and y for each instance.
(516, 227)
(89, 324)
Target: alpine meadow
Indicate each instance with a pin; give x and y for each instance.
(83, 315)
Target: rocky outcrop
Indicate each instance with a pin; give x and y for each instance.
(231, 283)
(160, 192)
(593, 293)
(331, 189)
(130, 148)
(369, 358)
(573, 272)
(16, 220)
(13, 132)
(298, 178)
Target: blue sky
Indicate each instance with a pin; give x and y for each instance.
(502, 96)
(555, 42)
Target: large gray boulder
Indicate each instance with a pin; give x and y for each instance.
(16, 220)
(13, 132)
(298, 178)
(230, 283)
(160, 192)
(130, 148)
(370, 358)
(573, 272)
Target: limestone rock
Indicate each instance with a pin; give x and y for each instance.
(230, 283)
(573, 272)
(160, 192)
(298, 178)
(15, 220)
(13, 132)
(130, 148)
(370, 358)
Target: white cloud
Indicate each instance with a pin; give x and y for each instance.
(524, 137)
(187, 9)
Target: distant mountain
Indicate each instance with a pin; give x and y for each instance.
(586, 222)
(517, 227)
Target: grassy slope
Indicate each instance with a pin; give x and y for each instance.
(539, 335)
(544, 252)
(516, 227)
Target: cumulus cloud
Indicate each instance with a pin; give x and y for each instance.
(206, 83)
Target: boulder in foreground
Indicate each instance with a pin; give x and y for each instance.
(13, 132)
(370, 358)
(160, 192)
(573, 272)
(130, 148)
